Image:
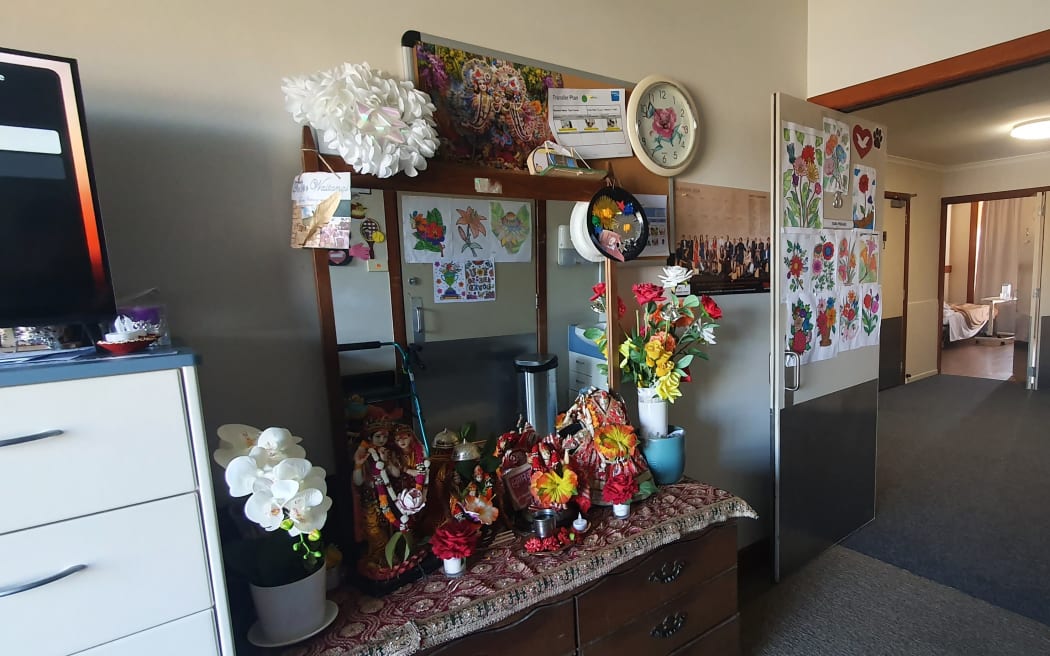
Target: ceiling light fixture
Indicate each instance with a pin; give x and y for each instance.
(1037, 129)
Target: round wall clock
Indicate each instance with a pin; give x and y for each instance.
(663, 125)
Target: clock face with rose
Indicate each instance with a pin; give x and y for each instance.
(663, 125)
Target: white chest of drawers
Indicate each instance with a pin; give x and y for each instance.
(109, 543)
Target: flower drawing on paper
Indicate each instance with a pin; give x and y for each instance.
(848, 318)
(846, 263)
(797, 261)
(826, 320)
(512, 229)
(470, 227)
(823, 265)
(801, 327)
(870, 313)
(429, 231)
(801, 179)
(869, 261)
(864, 198)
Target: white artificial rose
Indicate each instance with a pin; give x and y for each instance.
(674, 276)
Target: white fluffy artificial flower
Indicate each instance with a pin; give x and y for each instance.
(379, 125)
(674, 276)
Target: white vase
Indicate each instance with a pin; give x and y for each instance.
(621, 510)
(652, 414)
(292, 611)
(454, 566)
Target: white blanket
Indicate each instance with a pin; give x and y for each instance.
(958, 327)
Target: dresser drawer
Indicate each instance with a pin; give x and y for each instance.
(144, 566)
(667, 628)
(124, 440)
(654, 580)
(190, 636)
(723, 640)
(548, 629)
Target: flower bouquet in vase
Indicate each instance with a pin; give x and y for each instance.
(658, 351)
(283, 558)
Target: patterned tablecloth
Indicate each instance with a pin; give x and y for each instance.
(505, 579)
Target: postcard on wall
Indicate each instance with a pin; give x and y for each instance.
(800, 325)
(849, 317)
(870, 314)
(836, 172)
(825, 321)
(867, 249)
(590, 121)
(439, 227)
(655, 207)
(864, 195)
(464, 281)
(320, 211)
(424, 229)
(723, 234)
(512, 227)
(802, 163)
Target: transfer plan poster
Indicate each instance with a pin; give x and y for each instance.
(590, 121)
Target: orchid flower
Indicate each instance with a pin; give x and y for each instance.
(308, 511)
(263, 507)
(241, 474)
(235, 440)
(275, 445)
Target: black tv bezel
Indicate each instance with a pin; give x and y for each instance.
(109, 311)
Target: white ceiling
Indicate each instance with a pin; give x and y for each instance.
(967, 123)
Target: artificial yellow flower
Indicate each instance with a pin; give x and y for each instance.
(615, 442)
(553, 489)
(667, 386)
(664, 366)
(654, 350)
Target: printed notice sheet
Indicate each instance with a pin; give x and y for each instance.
(591, 121)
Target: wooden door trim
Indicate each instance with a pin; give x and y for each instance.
(896, 195)
(995, 59)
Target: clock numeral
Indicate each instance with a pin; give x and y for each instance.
(676, 154)
(663, 94)
(664, 158)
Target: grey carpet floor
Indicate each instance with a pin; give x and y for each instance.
(964, 489)
(845, 603)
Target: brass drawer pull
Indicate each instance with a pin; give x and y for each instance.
(669, 626)
(668, 572)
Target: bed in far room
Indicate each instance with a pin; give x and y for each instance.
(963, 321)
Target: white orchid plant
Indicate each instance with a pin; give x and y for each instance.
(285, 491)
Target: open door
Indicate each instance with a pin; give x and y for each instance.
(826, 319)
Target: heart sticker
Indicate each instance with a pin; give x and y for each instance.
(861, 140)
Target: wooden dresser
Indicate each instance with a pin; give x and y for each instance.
(110, 544)
(679, 599)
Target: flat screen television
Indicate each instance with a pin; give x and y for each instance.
(53, 265)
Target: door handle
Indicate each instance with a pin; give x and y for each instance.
(798, 371)
(419, 322)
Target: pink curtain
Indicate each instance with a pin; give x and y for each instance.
(998, 240)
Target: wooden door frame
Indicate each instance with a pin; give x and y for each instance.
(974, 199)
(985, 62)
(896, 195)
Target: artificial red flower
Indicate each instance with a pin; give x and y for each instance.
(455, 539)
(621, 488)
(711, 307)
(688, 377)
(599, 291)
(862, 184)
(647, 292)
(621, 307)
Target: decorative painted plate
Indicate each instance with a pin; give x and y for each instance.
(617, 224)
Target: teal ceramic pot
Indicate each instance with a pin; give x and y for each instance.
(666, 456)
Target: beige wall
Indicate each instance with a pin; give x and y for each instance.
(903, 34)
(194, 155)
(958, 254)
(998, 175)
(924, 312)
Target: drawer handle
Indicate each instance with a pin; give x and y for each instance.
(11, 441)
(668, 572)
(669, 627)
(22, 587)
